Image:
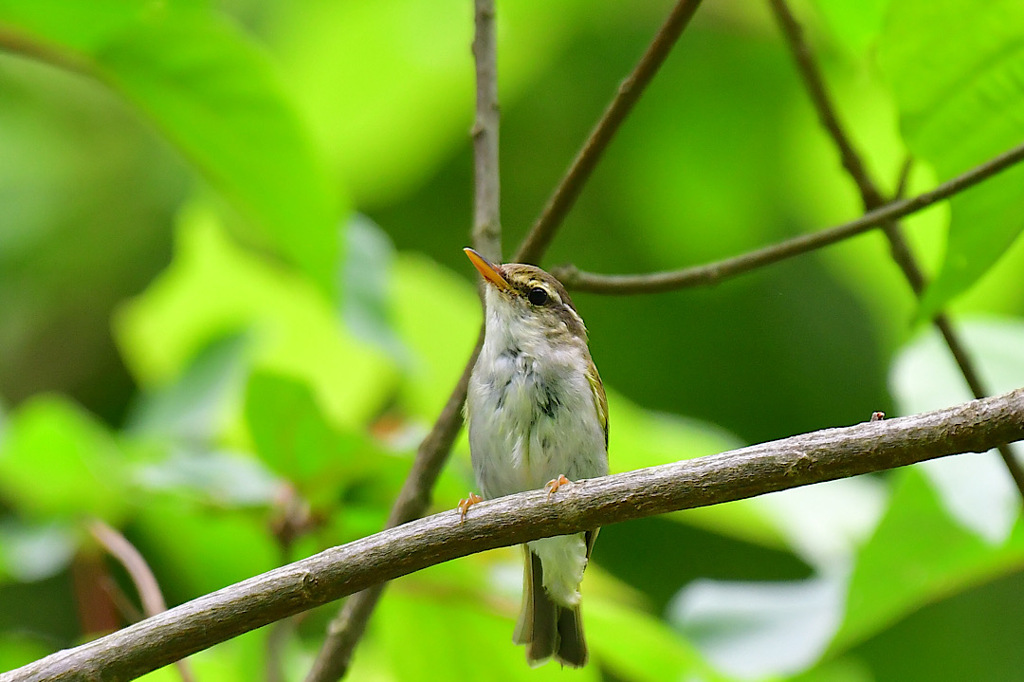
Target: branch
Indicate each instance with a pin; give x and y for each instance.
(712, 273)
(872, 197)
(779, 465)
(487, 196)
(630, 90)
(152, 599)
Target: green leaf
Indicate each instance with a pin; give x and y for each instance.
(18, 649)
(637, 645)
(194, 408)
(196, 549)
(30, 552)
(754, 630)
(56, 461)
(215, 95)
(961, 103)
(366, 285)
(917, 555)
(294, 439)
(437, 315)
(975, 489)
(216, 478)
(214, 289)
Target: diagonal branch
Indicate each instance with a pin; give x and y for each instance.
(872, 198)
(630, 90)
(712, 273)
(800, 460)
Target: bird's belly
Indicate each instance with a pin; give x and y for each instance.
(525, 431)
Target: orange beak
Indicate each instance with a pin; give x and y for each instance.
(488, 271)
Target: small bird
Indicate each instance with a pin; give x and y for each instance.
(538, 417)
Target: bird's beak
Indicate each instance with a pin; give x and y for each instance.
(488, 271)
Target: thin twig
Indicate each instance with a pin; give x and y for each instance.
(801, 460)
(872, 198)
(712, 273)
(487, 186)
(347, 628)
(630, 90)
(152, 599)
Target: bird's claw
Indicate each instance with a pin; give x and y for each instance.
(465, 504)
(555, 483)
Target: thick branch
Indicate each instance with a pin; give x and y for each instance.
(872, 197)
(797, 461)
(712, 273)
(582, 166)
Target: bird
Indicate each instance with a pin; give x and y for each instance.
(537, 415)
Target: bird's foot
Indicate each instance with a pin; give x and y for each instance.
(465, 504)
(555, 483)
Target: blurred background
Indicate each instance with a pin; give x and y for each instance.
(233, 298)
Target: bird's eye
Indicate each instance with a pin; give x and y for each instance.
(537, 296)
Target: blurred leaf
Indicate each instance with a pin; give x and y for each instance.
(195, 549)
(34, 552)
(214, 94)
(960, 104)
(756, 630)
(856, 23)
(442, 623)
(194, 407)
(825, 524)
(636, 645)
(290, 434)
(216, 478)
(976, 490)
(214, 289)
(917, 555)
(407, 65)
(639, 438)
(293, 438)
(366, 275)
(437, 315)
(18, 649)
(57, 462)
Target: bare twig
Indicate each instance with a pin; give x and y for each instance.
(712, 273)
(487, 195)
(118, 546)
(347, 628)
(629, 92)
(800, 460)
(872, 198)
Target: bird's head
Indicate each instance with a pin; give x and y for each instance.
(524, 300)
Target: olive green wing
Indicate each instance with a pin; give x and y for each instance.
(600, 399)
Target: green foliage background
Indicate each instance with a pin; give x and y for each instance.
(231, 283)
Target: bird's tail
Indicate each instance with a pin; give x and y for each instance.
(546, 628)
